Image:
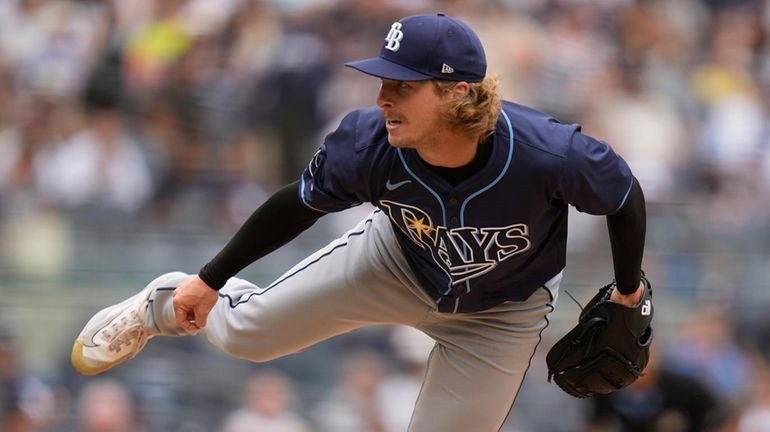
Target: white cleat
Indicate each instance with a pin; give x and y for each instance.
(116, 333)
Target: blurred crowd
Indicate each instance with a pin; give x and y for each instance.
(184, 115)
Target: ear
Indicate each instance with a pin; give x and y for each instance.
(460, 90)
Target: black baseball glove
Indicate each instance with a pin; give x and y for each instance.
(607, 350)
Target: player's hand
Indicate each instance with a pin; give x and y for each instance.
(630, 300)
(193, 300)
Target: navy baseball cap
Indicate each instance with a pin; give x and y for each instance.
(423, 47)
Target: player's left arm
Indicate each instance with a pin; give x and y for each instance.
(627, 230)
(598, 181)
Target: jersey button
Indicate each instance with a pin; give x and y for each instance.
(453, 201)
(454, 221)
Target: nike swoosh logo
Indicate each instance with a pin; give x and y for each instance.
(393, 186)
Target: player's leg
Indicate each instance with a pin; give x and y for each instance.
(478, 364)
(357, 280)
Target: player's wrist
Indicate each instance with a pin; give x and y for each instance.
(212, 282)
(631, 299)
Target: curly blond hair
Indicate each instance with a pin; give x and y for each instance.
(474, 115)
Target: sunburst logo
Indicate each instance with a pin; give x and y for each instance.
(418, 225)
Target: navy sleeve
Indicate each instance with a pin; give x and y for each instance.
(594, 179)
(335, 178)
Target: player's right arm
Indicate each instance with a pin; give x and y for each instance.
(276, 222)
(279, 220)
(331, 182)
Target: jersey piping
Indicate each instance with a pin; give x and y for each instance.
(484, 189)
(432, 192)
(302, 195)
(625, 197)
(499, 177)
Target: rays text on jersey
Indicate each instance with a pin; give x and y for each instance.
(463, 253)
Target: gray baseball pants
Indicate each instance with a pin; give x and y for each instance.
(361, 279)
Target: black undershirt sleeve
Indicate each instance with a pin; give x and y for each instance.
(627, 229)
(276, 222)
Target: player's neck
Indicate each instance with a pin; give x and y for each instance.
(450, 152)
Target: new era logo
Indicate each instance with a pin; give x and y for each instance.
(445, 68)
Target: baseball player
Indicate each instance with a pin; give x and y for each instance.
(467, 241)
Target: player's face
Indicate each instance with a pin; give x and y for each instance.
(412, 111)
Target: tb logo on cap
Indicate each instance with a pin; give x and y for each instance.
(394, 37)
